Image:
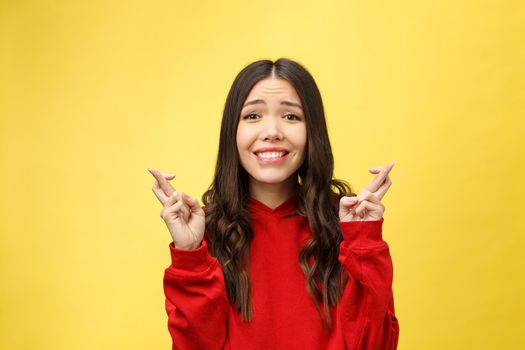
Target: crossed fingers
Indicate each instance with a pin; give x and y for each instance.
(380, 183)
(367, 204)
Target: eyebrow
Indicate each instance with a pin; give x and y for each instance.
(286, 103)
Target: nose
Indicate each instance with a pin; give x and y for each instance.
(271, 130)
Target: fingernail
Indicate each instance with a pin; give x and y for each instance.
(169, 174)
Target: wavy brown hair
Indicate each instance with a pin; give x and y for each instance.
(228, 227)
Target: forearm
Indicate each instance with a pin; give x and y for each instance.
(196, 300)
(368, 315)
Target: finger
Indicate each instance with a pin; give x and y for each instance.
(159, 193)
(169, 176)
(380, 193)
(193, 203)
(176, 201)
(173, 212)
(175, 205)
(163, 183)
(376, 169)
(169, 203)
(369, 196)
(380, 178)
(345, 205)
(347, 201)
(173, 198)
(185, 210)
(366, 205)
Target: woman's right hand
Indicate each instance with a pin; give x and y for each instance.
(182, 214)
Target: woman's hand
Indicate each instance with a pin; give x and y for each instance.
(182, 214)
(367, 205)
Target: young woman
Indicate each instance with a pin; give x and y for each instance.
(282, 255)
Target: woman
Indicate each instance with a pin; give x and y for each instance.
(282, 255)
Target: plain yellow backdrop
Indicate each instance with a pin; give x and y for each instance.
(92, 93)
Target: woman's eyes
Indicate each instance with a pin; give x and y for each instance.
(248, 116)
(294, 117)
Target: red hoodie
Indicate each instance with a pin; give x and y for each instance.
(201, 317)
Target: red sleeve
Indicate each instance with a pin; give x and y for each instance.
(196, 299)
(367, 315)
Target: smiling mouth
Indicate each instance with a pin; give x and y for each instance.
(271, 155)
(271, 158)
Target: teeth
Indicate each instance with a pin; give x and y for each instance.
(270, 154)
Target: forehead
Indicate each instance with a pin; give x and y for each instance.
(273, 87)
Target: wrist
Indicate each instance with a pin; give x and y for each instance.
(190, 247)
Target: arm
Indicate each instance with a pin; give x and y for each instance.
(196, 299)
(367, 315)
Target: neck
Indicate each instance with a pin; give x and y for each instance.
(272, 195)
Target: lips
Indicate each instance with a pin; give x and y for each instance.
(271, 157)
(271, 149)
(270, 154)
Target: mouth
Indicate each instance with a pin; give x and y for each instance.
(271, 157)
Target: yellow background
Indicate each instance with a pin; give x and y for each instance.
(92, 93)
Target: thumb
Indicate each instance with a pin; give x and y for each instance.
(347, 202)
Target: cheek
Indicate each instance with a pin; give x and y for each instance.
(239, 137)
(300, 139)
(243, 139)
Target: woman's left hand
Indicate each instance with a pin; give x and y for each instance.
(367, 205)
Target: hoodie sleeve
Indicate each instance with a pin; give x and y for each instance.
(367, 315)
(196, 299)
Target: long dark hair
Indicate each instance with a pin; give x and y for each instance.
(227, 223)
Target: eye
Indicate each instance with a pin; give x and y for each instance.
(294, 117)
(250, 115)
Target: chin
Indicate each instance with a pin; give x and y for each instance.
(272, 179)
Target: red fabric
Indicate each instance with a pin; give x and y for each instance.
(201, 317)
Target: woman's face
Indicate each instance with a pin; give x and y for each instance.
(271, 135)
